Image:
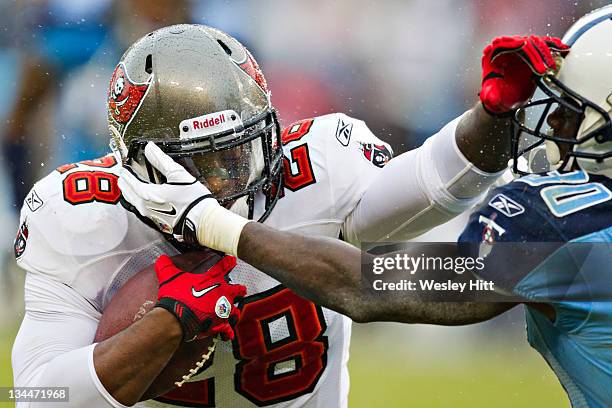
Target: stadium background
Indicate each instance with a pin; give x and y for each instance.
(405, 67)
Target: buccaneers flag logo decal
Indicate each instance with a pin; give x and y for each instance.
(252, 69)
(378, 155)
(21, 239)
(125, 96)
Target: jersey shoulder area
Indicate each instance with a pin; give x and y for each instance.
(338, 132)
(534, 221)
(550, 207)
(70, 217)
(329, 161)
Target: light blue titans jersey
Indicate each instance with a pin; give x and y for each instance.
(566, 219)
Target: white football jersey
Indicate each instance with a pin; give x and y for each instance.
(288, 352)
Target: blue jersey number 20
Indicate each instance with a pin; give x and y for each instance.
(571, 192)
(567, 199)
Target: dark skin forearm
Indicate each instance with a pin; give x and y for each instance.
(484, 139)
(420, 307)
(323, 270)
(328, 272)
(128, 362)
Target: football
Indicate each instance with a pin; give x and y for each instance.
(136, 298)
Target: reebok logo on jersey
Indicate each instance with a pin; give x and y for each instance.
(506, 205)
(200, 293)
(223, 307)
(343, 132)
(33, 201)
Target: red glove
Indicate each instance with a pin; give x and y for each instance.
(203, 303)
(510, 66)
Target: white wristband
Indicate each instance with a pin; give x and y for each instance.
(219, 228)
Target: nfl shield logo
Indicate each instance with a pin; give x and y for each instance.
(223, 307)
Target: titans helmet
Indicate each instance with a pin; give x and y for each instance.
(578, 98)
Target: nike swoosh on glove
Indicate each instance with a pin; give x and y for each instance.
(203, 303)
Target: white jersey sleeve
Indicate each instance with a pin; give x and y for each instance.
(74, 231)
(66, 224)
(329, 162)
(78, 246)
(54, 345)
(417, 191)
(349, 178)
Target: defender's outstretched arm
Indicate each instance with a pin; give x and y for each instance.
(328, 272)
(446, 176)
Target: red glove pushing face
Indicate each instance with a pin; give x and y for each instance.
(510, 66)
(203, 303)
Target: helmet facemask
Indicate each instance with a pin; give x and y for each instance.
(236, 164)
(570, 114)
(563, 143)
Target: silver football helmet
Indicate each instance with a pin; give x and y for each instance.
(202, 98)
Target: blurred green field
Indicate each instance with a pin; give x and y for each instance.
(498, 376)
(502, 378)
(6, 376)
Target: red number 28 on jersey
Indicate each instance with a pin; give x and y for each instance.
(274, 365)
(87, 186)
(298, 168)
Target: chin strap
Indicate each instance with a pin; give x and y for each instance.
(117, 145)
(553, 155)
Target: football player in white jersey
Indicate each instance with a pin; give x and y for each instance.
(542, 240)
(201, 97)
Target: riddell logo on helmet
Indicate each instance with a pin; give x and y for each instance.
(212, 123)
(203, 124)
